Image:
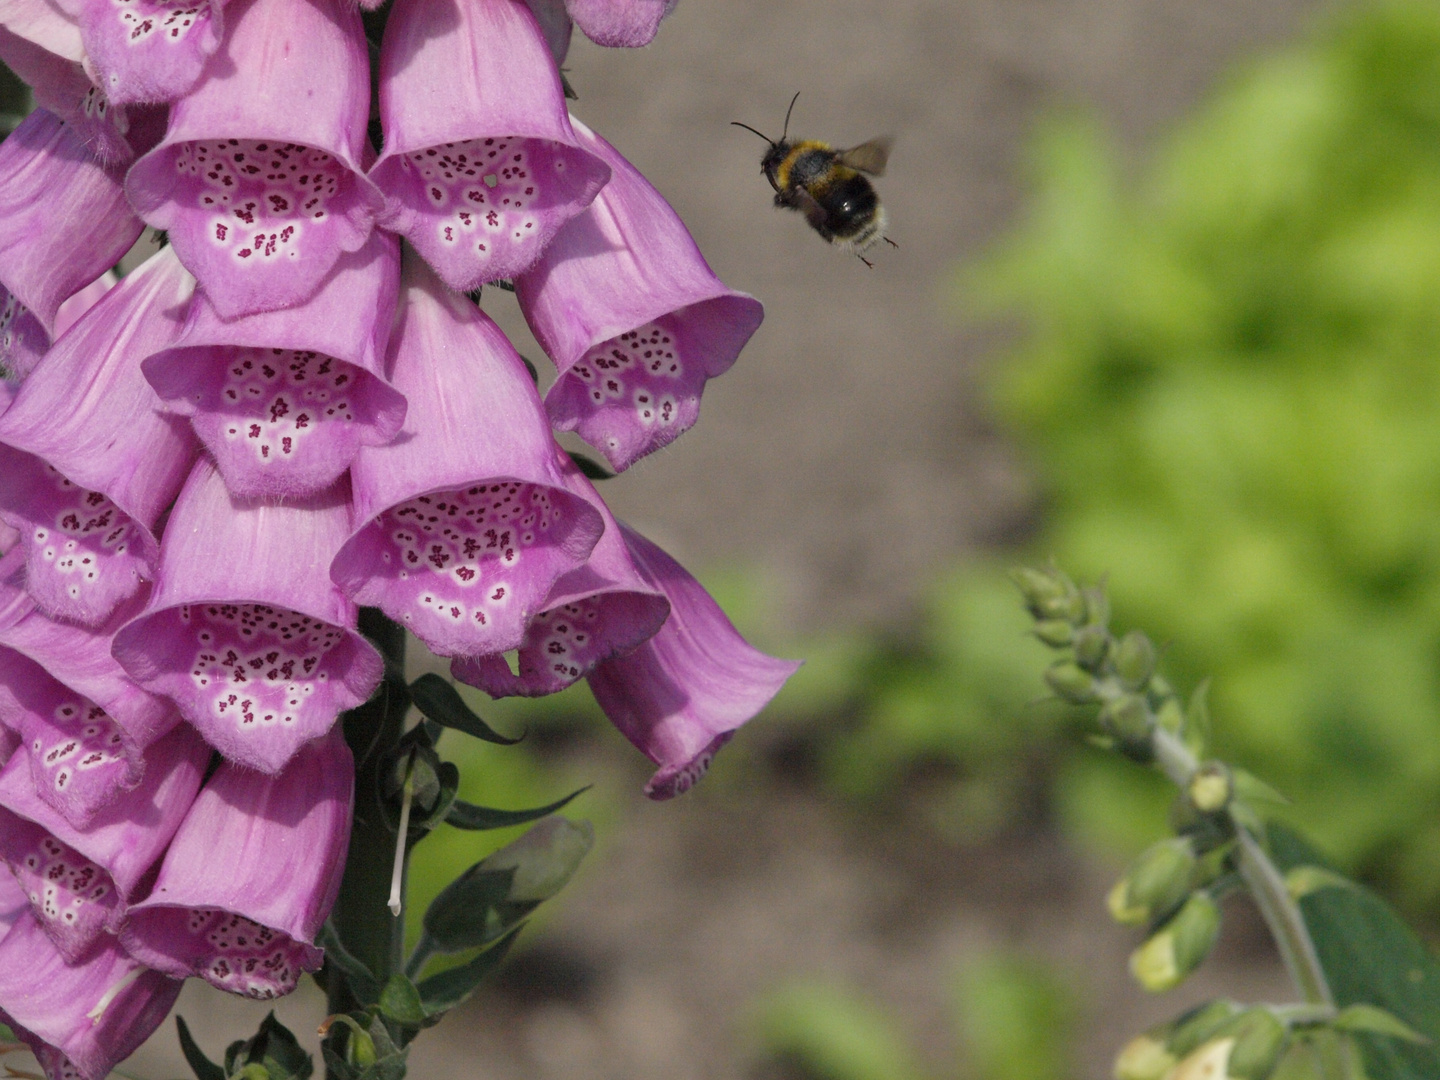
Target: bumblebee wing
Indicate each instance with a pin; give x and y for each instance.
(869, 157)
(813, 211)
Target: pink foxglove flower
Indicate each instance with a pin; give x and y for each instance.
(60, 85)
(79, 880)
(622, 23)
(602, 609)
(87, 458)
(149, 50)
(284, 399)
(81, 1020)
(85, 723)
(245, 631)
(247, 922)
(464, 522)
(481, 165)
(681, 696)
(63, 216)
(261, 194)
(633, 317)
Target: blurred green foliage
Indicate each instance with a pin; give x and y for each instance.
(1013, 1018)
(1227, 380)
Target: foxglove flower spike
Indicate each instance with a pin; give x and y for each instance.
(245, 631)
(633, 317)
(258, 181)
(87, 458)
(149, 50)
(464, 522)
(681, 696)
(284, 399)
(83, 1019)
(481, 166)
(602, 609)
(247, 923)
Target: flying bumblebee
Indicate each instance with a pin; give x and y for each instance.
(828, 186)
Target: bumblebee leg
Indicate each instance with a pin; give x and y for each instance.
(866, 261)
(889, 241)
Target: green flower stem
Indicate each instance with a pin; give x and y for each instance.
(1279, 910)
(361, 914)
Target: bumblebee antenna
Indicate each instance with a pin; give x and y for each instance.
(747, 127)
(787, 115)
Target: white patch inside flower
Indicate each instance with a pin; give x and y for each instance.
(474, 540)
(261, 195)
(564, 639)
(284, 396)
(88, 526)
(98, 742)
(480, 190)
(635, 368)
(243, 956)
(257, 665)
(145, 19)
(61, 883)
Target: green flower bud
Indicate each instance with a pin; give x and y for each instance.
(1127, 719)
(1057, 633)
(1178, 947)
(1261, 1040)
(1170, 715)
(1210, 1062)
(1048, 595)
(1144, 1057)
(1211, 787)
(1091, 644)
(1156, 881)
(1199, 1025)
(1097, 606)
(1134, 659)
(1071, 682)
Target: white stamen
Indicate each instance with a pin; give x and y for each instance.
(397, 875)
(98, 1011)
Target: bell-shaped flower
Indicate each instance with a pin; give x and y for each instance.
(633, 317)
(85, 722)
(623, 23)
(149, 50)
(63, 216)
(464, 522)
(284, 399)
(88, 459)
(681, 695)
(258, 180)
(80, 1020)
(244, 631)
(79, 880)
(60, 84)
(555, 24)
(602, 609)
(481, 165)
(246, 922)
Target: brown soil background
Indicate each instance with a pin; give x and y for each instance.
(847, 457)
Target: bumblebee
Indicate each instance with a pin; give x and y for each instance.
(828, 186)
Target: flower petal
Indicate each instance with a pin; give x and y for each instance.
(622, 23)
(555, 24)
(603, 609)
(259, 194)
(44, 24)
(680, 696)
(81, 302)
(481, 166)
(464, 522)
(90, 1016)
(63, 216)
(87, 458)
(245, 632)
(283, 400)
(78, 880)
(633, 317)
(247, 923)
(149, 50)
(61, 85)
(23, 341)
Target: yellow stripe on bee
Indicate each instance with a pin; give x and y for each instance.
(782, 174)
